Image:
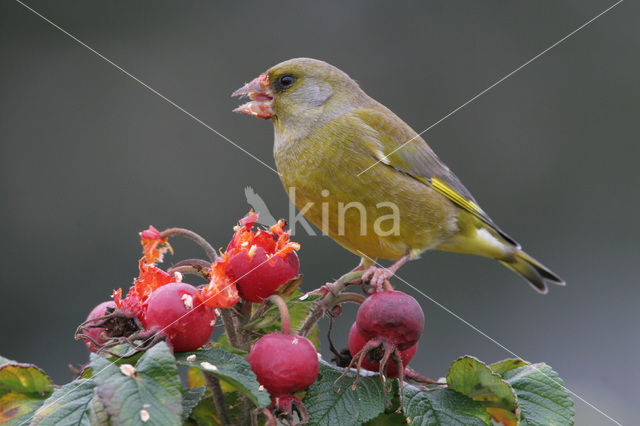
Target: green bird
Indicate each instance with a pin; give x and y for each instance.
(367, 179)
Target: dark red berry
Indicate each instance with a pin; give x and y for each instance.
(357, 342)
(392, 315)
(97, 333)
(176, 310)
(284, 363)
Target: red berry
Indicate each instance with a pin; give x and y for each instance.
(260, 276)
(357, 342)
(392, 315)
(176, 310)
(284, 363)
(97, 333)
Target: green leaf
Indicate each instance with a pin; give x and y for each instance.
(231, 368)
(388, 419)
(475, 379)
(204, 414)
(4, 360)
(154, 387)
(70, 404)
(223, 343)
(442, 407)
(97, 411)
(344, 407)
(507, 365)
(190, 398)
(542, 396)
(23, 389)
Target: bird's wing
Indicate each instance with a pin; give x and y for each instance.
(398, 146)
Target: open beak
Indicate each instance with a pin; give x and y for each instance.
(259, 92)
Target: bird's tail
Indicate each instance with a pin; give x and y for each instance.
(532, 271)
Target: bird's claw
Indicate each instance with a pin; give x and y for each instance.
(378, 278)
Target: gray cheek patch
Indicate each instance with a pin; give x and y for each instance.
(313, 94)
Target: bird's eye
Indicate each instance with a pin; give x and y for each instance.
(286, 80)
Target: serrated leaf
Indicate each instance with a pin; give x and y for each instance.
(505, 365)
(190, 398)
(345, 407)
(97, 411)
(24, 378)
(231, 368)
(70, 404)
(542, 396)
(287, 289)
(4, 360)
(387, 419)
(195, 378)
(473, 378)
(442, 407)
(223, 343)
(23, 387)
(154, 387)
(204, 414)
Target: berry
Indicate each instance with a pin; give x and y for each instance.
(391, 315)
(284, 363)
(260, 276)
(97, 333)
(357, 342)
(261, 260)
(175, 309)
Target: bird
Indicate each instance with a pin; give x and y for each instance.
(367, 179)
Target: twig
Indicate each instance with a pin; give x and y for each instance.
(170, 232)
(217, 396)
(328, 301)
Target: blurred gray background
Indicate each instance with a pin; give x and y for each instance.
(89, 158)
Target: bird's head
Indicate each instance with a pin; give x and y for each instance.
(298, 90)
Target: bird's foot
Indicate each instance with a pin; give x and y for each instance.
(378, 278)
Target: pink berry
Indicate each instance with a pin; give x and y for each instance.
(176, 310)
(357, 342)
(392, 315)
(97, 333)
(284, 363)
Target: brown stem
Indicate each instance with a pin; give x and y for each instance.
(217, 396)
(327, 302)
(230, 327)
(170, 232)
(413, 375)
(284, 312)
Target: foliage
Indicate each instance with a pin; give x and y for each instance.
(134, 379)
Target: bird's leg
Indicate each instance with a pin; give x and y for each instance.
(379, 277)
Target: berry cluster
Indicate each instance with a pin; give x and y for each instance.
(258, 269)
(160, 306)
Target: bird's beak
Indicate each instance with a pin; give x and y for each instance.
(259, 91)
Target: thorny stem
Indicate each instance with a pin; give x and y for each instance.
(170, 232)
(284, 312)
(327, 302)
(217, 396)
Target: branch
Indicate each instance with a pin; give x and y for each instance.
(328, 301)
(217, 396)
(211, 252)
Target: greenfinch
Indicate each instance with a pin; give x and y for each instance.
(367, 179)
